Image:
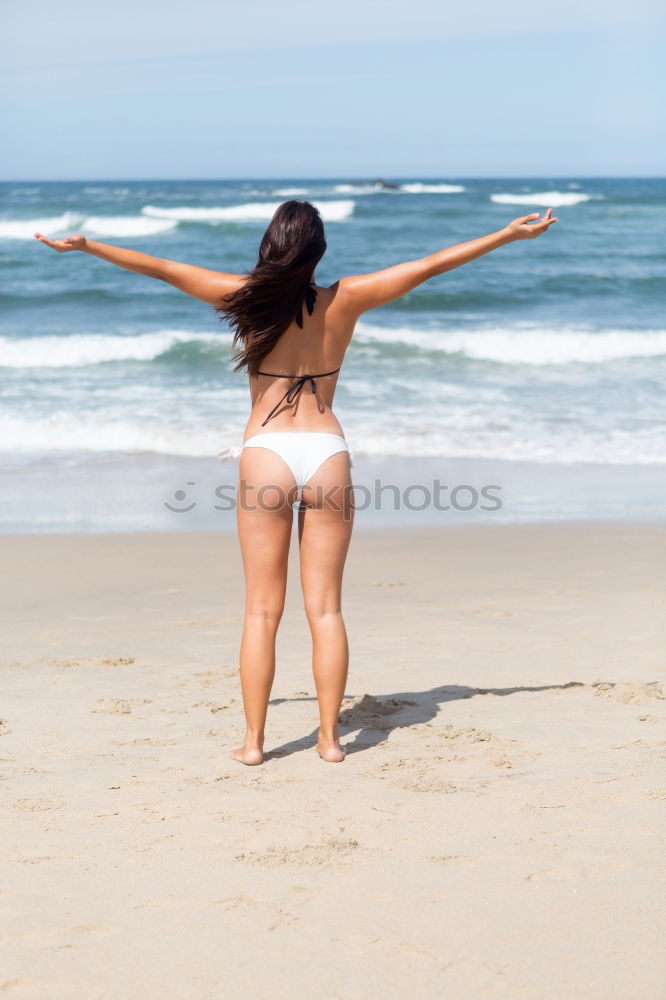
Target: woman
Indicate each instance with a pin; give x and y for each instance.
(294, 446)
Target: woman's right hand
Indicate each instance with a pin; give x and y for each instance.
(77, 242)
(525, 228)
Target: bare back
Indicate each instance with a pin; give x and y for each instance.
(318, 347)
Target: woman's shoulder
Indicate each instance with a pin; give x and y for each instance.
(338, 312)
(328, 290)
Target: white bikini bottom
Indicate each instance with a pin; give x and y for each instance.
(303, 451)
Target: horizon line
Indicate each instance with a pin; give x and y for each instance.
(334, 177)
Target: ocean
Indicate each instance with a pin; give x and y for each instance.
(543, 362)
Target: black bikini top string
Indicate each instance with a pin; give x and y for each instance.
(310, 299)
(295, 388)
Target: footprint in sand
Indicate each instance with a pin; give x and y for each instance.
(109, 661)
(148, 741)
(255, 906)
(468, 736)
(119, 706)
(457, 748)
(214, 706)
(367, 711)
(332, 851)
(415, 774)
(211, 678)
(630, 692)
(430, 783)
(38, 805)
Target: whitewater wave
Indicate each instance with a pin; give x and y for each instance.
(360, 188)
(415, 187)
(608, 447)
(418, 188)
(154, 220)
(24, 229)
(548, 199)
(80, 349)
(126, 226)
(331, 211)
(526, 346)
(290, 192)
(69, 432)
(460, 433)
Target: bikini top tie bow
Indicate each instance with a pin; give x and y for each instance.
(294, 389)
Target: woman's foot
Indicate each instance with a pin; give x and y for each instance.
(248, 755)
(330, 749)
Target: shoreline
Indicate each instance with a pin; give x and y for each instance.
(141, 493)
(370, 530)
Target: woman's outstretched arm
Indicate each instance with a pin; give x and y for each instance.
(198, 282)
(369, 291)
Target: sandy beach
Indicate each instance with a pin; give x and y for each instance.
(496, 830)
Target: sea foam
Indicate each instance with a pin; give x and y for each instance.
(415, 187)
(78, 349)
(360, 188)
(24, 229)
(418, 188)
(126, 226)
(449, 432)
(331, 211)
(73, 432)
(155, 220)
(524, 345)
(554, 199)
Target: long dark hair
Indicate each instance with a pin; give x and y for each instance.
(262, 309)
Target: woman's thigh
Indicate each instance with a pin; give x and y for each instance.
(325, 526)
(264, 515)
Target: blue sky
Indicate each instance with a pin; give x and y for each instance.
(331, 88)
